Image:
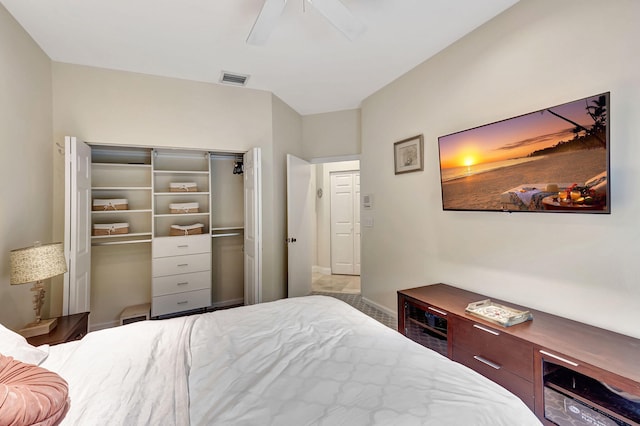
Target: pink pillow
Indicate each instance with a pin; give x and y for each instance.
(31, 395)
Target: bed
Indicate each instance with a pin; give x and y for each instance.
(303, 361)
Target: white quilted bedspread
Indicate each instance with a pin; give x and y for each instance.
(317, 361)
(304, 361)
(131, 375)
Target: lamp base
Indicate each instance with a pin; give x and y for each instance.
(38, 328)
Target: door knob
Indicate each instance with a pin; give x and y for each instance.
(291, 240)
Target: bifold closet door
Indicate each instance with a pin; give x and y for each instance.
(77, 241)
(252, 227)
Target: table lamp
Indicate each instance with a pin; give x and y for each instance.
(33, 265)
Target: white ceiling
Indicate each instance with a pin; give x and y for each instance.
(306, 62)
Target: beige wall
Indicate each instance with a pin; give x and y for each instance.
(26, 151)
(331, 134)
(287, 139)
(114, 107)
(537, 54)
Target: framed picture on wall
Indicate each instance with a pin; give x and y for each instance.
(408, 155)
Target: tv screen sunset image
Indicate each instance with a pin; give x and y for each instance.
(552, 159)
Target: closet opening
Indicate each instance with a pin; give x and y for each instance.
(176, 229)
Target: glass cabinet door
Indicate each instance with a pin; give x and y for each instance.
(426, 326)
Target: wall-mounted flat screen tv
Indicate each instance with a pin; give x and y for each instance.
(552, 160)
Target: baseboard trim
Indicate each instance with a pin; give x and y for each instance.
(320, 270)
(103, 325)
(379, 307)
(226, 303)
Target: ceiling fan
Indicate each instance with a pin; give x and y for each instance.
(333, 10)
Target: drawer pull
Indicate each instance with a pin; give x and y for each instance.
(438, 311)
(183, 264)
(487, 362)
(184, 302)
(558, 358)
(183, 246)
(183, 283)
(495, 333)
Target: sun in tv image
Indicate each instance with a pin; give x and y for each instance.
(555, 159)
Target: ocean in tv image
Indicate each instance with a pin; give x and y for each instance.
(555, 159)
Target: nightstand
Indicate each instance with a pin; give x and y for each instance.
(69, 328)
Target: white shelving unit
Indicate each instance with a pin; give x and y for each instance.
(123, 173)
(181, 265)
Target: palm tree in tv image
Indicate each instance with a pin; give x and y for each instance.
(594, 137)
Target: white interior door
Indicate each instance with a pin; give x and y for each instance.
(299, 235)
(345, 223)
(252, 227)
(77, 240)
(342, 226)
(356, 223)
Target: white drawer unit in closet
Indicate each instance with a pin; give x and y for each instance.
(179, 246)
(174, 265)
(172, 303)
(181, 283)
(181, 271)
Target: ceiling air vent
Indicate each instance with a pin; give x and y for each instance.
(235, 79)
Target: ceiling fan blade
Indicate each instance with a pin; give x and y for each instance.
(341, 17)
(266, 21)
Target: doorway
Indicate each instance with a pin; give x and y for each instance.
(336, 253)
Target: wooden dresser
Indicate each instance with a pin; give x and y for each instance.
(565, 371)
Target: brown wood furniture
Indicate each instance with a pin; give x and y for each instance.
(69, 328)
(528, 358)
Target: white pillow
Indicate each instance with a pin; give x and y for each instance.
(14, 345)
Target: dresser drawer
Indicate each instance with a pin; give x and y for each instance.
(171, 303)
(174, 265)
(178, 246)
(510, 381)
(180, 283)
(492, 344)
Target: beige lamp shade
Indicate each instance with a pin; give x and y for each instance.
(31, 264)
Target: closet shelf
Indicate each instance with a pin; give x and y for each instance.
(121, 165)
(121, 188)
(181, 172)
(120, 236)
(113, 243)
(182, 214)
(120, 211)
(181, 194)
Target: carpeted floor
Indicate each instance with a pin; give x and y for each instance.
(356, 301)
